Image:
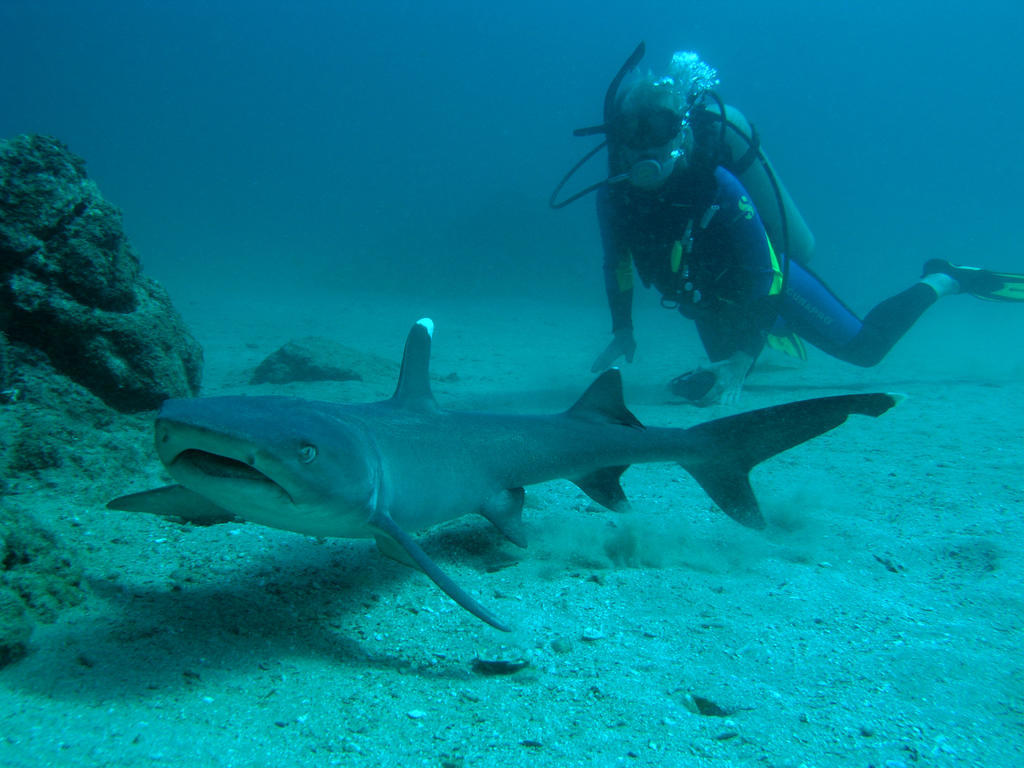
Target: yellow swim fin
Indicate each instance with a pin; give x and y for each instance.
(1012, 288)
(788, 344)
(982, 283)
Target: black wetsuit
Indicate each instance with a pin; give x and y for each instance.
(699, 240)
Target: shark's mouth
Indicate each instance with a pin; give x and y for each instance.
(216, 465)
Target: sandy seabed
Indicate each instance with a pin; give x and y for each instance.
(876, 622)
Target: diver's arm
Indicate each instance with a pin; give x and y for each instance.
(619, 292)
(618, 284)
(618, 267)
(623, 343)
(730, 374)
(620, 302)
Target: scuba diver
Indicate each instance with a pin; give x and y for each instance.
(693, 204)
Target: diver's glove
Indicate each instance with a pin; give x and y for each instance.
(716, 384)
(622, 345)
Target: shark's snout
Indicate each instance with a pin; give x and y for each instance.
(201, 451)
(274, 461)
(169, 444)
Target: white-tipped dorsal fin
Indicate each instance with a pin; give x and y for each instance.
(413, 391)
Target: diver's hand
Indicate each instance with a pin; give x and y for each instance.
(622, 345)
(729, 377)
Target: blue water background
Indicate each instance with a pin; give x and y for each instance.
(408, 145)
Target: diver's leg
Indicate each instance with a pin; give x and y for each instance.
(814, 312)
(888, 322)
(717, 338)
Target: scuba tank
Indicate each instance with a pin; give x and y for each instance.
(733, 143)
(722, 136)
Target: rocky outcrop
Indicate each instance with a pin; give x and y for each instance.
(38, 580)
(313, 358)
(71, 284)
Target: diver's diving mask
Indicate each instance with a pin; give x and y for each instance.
(646, 128)
(648, 143)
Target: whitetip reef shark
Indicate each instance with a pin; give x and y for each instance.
(384, 470)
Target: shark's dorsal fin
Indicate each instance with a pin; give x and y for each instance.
(602, 402)
(413, 390)
(397, 544)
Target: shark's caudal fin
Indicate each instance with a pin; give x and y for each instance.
(413, 391)
(727, 449)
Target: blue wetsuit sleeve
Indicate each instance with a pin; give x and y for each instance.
(618, 266)
(746, 290)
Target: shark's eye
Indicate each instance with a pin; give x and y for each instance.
(307, 453)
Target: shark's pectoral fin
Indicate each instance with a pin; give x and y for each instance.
(392, 549)
(505, 511)
(396, 543)
(175, 502)
(603, 487)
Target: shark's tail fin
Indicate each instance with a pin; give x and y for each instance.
(725, 450)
